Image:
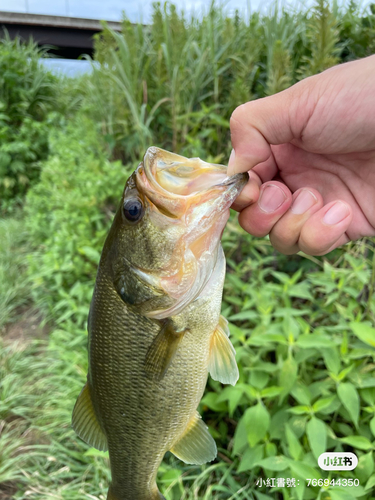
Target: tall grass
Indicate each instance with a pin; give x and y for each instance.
(155, 80)
(13, 282)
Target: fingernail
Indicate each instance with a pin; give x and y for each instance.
(303, 202)
(232, 157)
(271, 198)
(231, 161)
(338, 212)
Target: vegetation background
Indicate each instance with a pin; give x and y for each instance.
(302, 326)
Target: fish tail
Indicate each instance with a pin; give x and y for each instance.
(115, 496)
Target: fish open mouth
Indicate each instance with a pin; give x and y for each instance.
(199, 194)
(172, 175)
(187, 178)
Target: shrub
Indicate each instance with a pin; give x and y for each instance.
(27, 94)
(67, 215)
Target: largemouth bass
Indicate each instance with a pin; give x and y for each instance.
(155, 330)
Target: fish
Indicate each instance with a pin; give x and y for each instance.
(155, 329)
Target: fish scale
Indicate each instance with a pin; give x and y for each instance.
(154, 412)
(146, 376)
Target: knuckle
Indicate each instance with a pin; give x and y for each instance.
(283, 236)
(310, 245)
(239, 115)
(246, 222)
(283, 243)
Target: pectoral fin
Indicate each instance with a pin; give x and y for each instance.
(222, 363)
(162, 351)
(86, 424)
(196, 446)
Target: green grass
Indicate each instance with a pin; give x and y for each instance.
(13, 282)
(295, 350)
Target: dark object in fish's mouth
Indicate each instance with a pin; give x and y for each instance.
(236, 179)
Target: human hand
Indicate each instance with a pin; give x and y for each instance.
(311, 149)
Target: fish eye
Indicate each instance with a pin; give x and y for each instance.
(133, 209)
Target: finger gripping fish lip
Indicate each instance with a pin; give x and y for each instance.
(174, 176)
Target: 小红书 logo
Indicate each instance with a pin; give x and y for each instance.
(338, 461)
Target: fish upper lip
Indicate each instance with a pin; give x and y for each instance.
(235, 179)
(152, 155)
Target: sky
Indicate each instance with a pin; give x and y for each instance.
(110, 10)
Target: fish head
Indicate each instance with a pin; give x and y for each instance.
(166, 233)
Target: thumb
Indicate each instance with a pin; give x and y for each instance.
(257, 124)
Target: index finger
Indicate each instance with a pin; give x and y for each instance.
(255, 126)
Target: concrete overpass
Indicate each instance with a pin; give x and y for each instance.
(70, 36)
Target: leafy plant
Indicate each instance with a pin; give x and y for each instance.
(67, 214)
(27, 95)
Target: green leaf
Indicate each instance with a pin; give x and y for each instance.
(257, 420)
(271, 392)
(261, 496)
(298, 425)
(345, 372)
(259, 379)
(282, 277)
(301, 393)
(360, 442)
(303, 470)
(251, 457)
(278, 420)
(368, 395)
(290, 327)
(93, 452)
(171, 476)
(356, 491)
(317, 435)
(299, 410)
(288, 374)
(267, 338)
(364, 332)
(314, 340)
(234, 400)
(370, 483)
(233, 395)
(323, 404)
(301, 290)
(340, 494)
(281, 312)
(372, 425)
(90, 253)
(349, 398)
(243, 315)
(331, 359)
(211, 401)
(276, 463)
(270, 449)
(294, 446)
(240, 437)
(365, 467)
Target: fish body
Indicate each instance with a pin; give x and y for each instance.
(155, 329)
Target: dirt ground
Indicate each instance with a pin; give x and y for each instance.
(27, 327)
